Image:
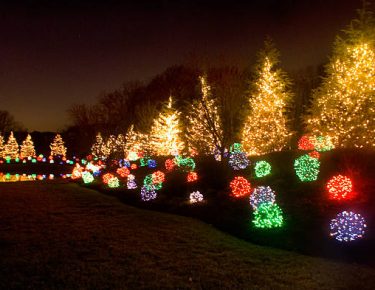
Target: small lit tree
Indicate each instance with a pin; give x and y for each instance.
(27, 147)
(165, 132)
(98, 149)
(135, 142)
(204, 132)
(265, 129)
(2, 147)
(343, 106)
(11, 148)
(57, 146)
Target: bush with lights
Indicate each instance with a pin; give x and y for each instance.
(347, 226)
(238, 161)
(185, 164)
(340, 187)
(131, 183)
(192, 176)
(240, 186)
(113, 182)
(148, 193)
(268, 215)
(307, 168)
(195, 197)
(262, 194)
(87, 177)
(262, 168)
(123, 172)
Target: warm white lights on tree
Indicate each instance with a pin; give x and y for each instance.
(57, 146)
(99, 149)
(266, 127)
(204, 131)
(27, 147)
(165, 132)
(344, 105)
(11, 148)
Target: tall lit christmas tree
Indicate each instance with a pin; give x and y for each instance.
(98, 149)
(165, 132)
(204, 131)
(135, 143)
(110, 145)
(57, 146)
(265, 129)
(344, 105)
(11, 148)
(2, 147)
(27, 147)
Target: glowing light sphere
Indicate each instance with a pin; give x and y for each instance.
(323, 143)
(306, 143)
(347, 226)
(131, 183)
(133, 166)
(192, 176)
(144, 161)
(170, 164)
(113, 182)
(87, 177)
(148, 182)
(236, 148)
(196, 197)
(268, 215)
(262, 194)
(123, 171)
(94, 168)
(132, 156)
(148, 194)
(314, 154)
(240, 186)
(77, 172)
(238, 161)
(151, 163)
(106, 177)
(186, 164)
(262, 168)
(307, 168)
(340, 187)
(158, 177)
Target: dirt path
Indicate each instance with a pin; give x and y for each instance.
(61, 236)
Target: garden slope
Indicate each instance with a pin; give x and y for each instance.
(59, 235)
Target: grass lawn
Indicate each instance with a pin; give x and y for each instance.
(58, 235)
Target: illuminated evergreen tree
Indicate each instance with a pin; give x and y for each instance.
(57, 146)
(204, 132)
(2, 147)
(11, 148)
(344, 105)
(265, 129)
(135, 143)
(110, 146)
(99, 149)
(27, 147)
(165, 132)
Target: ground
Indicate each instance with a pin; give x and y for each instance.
(62, 236)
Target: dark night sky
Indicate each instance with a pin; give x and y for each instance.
(53, 55)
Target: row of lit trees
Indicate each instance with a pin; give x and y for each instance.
(12, 150)
(342, 108)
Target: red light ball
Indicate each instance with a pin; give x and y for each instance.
(340, 187)
(240, 186)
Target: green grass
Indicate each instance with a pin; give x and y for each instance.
(56, 235)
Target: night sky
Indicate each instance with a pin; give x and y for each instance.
(54, 55)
